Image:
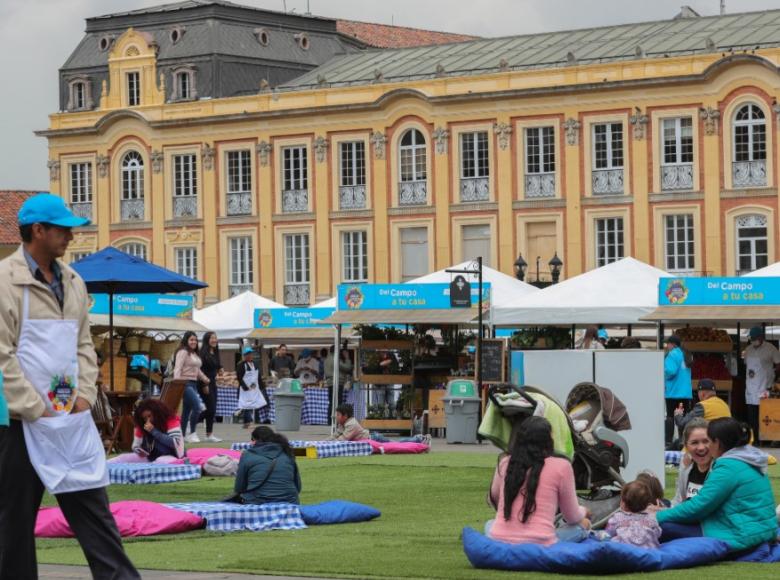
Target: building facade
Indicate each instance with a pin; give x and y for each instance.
(655, 140)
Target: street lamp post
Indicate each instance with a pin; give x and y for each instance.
(520, 266)
(555, 268)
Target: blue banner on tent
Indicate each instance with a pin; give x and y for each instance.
(516, 367)
(718, 291)
(403, 296)
(158, 305)
(291, 317)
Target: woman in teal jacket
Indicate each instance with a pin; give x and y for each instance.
(267, 472)
(735, 504)
(678, 389)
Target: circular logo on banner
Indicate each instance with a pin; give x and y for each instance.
(265, 319)
(676, 291)
(354, 298)
(62, 393)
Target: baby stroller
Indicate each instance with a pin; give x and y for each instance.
(585, 430)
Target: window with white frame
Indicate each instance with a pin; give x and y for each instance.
(183, 85)
(135, 249)
(241, 269)
(296, 258)
(679, 243)
(185, 175)
(353, 163)
(609, 240)
(749, 134)
(187, 262)
(475, 242)
(608, 146)
(79, 95)
(132, 176)
(678, 141)
(474, 155)
(133, 89)
(239, 171)
(539, 150)
(295, 168)
(414, 252)
(354, 255)
(752, 243)
(76, 256)
(80, 183)
(413, 151)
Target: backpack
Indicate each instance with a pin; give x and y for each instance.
(221, 465)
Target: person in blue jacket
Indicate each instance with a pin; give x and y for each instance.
(267, 472)
(736, 503)
(678, 390)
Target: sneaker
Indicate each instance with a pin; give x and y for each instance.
(213, 439)
(427, 440)
(192, 438)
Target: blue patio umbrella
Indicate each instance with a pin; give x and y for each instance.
(111, 271)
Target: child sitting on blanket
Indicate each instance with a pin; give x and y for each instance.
(348, 429)
(656, 489)
(158, 437)
(633, 524)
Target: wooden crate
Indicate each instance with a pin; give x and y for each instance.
(721, 385)
(437, 419)
(388, 424)
(708, 346)
(119, 381)
(769, 419)
(386, 379)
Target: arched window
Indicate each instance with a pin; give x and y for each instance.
(132, 176)
(752, 243)
(749, 147)
(137, 249)
(413, 169)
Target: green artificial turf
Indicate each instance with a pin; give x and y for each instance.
(425, 500)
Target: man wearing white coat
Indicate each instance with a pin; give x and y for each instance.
(49, 368)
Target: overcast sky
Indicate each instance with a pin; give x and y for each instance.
(37, 36)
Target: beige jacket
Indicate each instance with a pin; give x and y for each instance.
(351, 430)
(24, 402)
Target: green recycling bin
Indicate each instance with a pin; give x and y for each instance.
(288, 400)
(461, 407)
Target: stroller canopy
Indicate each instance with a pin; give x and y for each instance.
(615, 415)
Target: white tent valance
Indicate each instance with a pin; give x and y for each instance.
(233, 318)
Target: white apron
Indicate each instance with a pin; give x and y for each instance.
(65, 450)
(253, 398)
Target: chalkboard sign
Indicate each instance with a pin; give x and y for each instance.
(493, 361)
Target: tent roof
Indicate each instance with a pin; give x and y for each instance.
(233, 318)
(408, 316)
(715, 315)
(619, 293)
(100, 321)
(769, 271)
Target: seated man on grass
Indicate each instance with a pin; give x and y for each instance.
(348, 429)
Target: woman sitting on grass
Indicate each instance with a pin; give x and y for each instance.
(735, 504)
(267, 472)
(529, 486)
(158, 437)
(697, 461)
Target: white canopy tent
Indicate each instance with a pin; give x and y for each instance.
(771, 271)
(618, 293)
(233, 318)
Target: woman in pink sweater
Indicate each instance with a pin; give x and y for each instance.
(529, 487)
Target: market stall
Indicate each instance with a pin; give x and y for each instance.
(233, 318)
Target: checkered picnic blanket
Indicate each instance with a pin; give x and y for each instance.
(672, 457)
(325, 449)
(316, 404)
(227, 403)
(144, 473)
(356, 396)
(233, 517)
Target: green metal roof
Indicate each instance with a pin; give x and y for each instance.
(676, 37)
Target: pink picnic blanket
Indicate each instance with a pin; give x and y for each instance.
(200, 455)
(395, 448)
(133, 518)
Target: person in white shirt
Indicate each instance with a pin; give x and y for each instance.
(762, 360)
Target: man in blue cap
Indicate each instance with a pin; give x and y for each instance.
(49, 369)
(762, 361)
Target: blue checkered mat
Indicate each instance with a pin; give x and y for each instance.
(316, 404)
(325, 449)
(233, 517)
(672, 457)
(146, 473)
(227, 403)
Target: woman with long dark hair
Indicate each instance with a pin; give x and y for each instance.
(267, 472)
(157, 437)
(187, 368)
(529, 487)
(735, 504)
(211, 367)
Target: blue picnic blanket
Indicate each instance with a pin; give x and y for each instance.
(234, 517)
(325, 449)
(146, 473)
(672, 457)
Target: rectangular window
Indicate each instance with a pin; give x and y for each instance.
(185, 176)
(353, 163)
(79, 96)
(414, 253)
(539, 150)
(183, 80)
(239, 171)
(609, 240)
(608, 146)
(187, 262)
(679, 247)
(476, 242)
(296, 256)
(133, 89)
(752, 243)
(354, 251)
(295, 168)
(474, 155)
(76, 256)
(241, 271)
(677, 141)
(81, 183)
(135, 249)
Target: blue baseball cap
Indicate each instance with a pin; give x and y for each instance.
(247, 350)
(45, 208)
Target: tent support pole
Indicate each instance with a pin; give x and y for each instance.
(660, 343)
(573, 332)
(336, 380)
(628, 331)
(111, 338)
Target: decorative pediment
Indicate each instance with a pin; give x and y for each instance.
(132, 44)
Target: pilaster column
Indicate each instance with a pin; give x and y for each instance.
(379, 192)
(504, 193)
(711, 129)
(440, 196)
(572, 192)
(210, 196)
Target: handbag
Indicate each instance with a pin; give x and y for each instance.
(235, 497)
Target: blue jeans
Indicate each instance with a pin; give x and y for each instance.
(379, 438)
(190, 407)
(569, 533)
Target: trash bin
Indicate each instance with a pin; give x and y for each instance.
(461, 407)
(288, 400)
